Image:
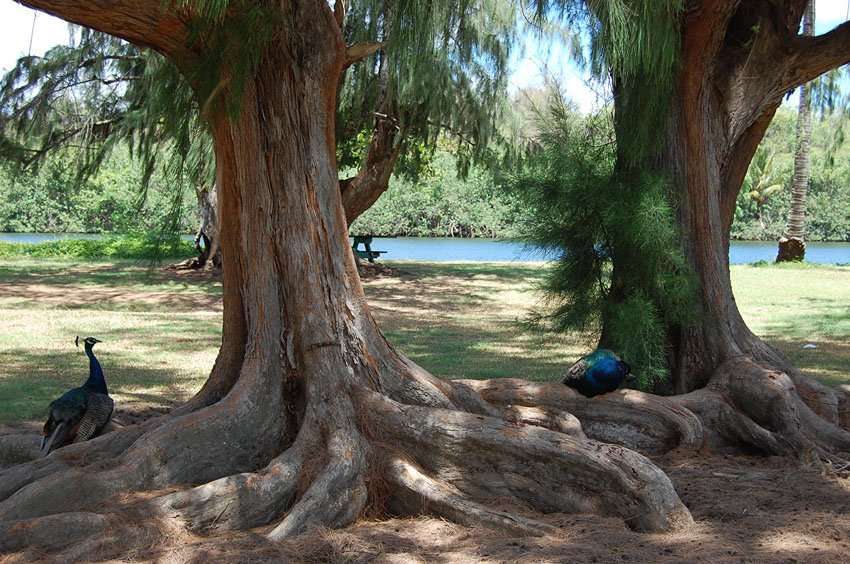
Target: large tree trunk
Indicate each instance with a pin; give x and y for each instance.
(792, 247)
(209, 229)
(309, 417)
(208, 236)
(737, 61)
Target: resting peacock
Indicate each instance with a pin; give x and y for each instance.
(81, 413)
(598, 373)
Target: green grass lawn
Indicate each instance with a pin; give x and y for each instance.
(794, 305)
(161, 329)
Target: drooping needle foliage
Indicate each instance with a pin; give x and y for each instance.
(599, 202)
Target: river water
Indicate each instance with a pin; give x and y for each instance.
(446, 249)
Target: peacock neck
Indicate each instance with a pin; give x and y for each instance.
(96, 380)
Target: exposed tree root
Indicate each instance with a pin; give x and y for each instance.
(447, 449)
(18, 448)
(83, 475)
(240, 501)
(780, 421)
(747, 406)
(643, 422)
(415, 492)
(487, 457)
(337, 495)
(42, 532)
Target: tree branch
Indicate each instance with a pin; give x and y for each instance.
(354, 53)
(813, 56)
(147, 23)
(339, 12)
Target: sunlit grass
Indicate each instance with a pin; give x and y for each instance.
(468, 320)
(791, 306)
(160, 336)
(161, 332)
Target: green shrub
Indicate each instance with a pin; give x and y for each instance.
(590, 215)
(137, 247)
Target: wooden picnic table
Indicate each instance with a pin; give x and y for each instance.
(367, 252)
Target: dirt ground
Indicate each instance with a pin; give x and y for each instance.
(746, 510)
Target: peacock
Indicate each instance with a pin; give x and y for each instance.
(80, 413)
(598, 373)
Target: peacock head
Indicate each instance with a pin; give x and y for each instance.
(89, 341)
(625, 370)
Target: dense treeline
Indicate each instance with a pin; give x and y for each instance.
(440, 204)
(54, 199)
(436, 202)
(828, 217)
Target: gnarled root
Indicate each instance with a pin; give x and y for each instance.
(644, 422)
(487, 453)
(755, 404)
(82, 476)
(416, 492)
(349, 448)
(747, 406)
(487, 457)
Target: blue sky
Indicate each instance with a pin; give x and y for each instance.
(24, 31)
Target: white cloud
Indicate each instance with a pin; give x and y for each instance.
(832, 10)
(549, 60)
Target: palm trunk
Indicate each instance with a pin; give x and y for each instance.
(792, 247)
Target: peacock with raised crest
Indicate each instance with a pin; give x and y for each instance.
(598, 373)
(80, 413)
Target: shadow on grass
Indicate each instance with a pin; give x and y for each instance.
(819, 315)
(93, 285)
(457, 351)
(504, 272)
(829, 363)
(447, 288)
(466, 320)
(31, 380)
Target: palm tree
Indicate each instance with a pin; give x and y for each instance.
(792, 246)
(758, 185)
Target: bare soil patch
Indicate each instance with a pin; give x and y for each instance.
(68, 290)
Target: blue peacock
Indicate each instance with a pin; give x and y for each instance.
(598, 373)
(80, 413)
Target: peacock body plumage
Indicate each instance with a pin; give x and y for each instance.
(80, 413)
(598, 373)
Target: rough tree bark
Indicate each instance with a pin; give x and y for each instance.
(208, 237)
(361, 191)
(738, 59)
(209, 229)
(309, 417)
